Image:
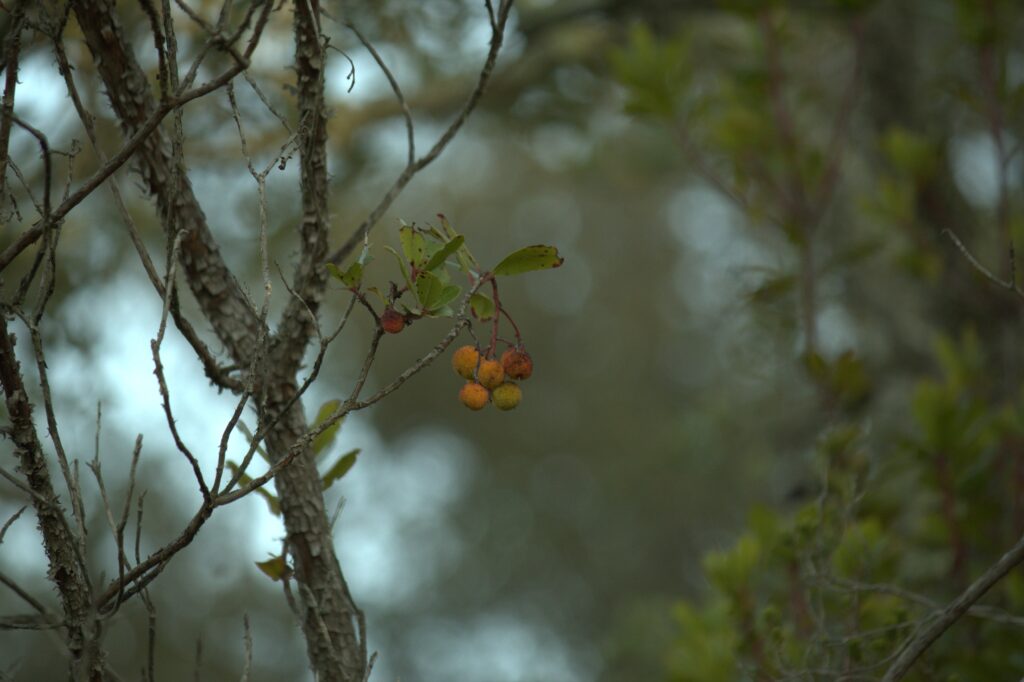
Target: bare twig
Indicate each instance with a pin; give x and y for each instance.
(406, 114)
(1009, 285)
(172, 266)
(67, 571)
(17, 589)
(77, 506)
(140, 135)
(213, 371)
(9, 523)
(915, 646)
(12, 50)
(369, 667)
(411, 169)
(247, 639)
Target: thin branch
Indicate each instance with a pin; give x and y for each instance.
(12, 50)
(144, 130)
(411, 169)
(247, 639)
(141, 134)
(915, 646)
(369, 667)
(9, 523)
(44, 146)
(352, 405)
(172, 265)
(213, 371)
(406, 114)
(66, 569)
(14, 587)
(75, 493)
(1009, 285)
(982, 612)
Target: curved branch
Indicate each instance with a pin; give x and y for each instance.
(414, 167)
(917, 644)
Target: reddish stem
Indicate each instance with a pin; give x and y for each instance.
(515, 328)
(497, 318)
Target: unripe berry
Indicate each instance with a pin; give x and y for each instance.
(473, 395)
(506, 396)
(392, 321)
(490, 373)
(464, 361)
(517, 363)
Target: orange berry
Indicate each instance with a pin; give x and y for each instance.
(464, 361)
(517, 363)
(473, 395)
(490, 373)
(506, 396)
(392, 321)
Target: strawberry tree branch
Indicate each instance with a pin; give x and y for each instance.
(214, 286)
(67, 570)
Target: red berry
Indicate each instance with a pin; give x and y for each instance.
(392, 321)
(517, 363)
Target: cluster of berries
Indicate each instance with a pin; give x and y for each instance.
(487, 377)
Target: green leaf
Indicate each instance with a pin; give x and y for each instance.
(376, 292)
(353, 275)
(327, 436)
(448, 294)
(466, 261)
(483, 306)
(442, 255)
(272, 502)
(655, 72)
(910, 152)
(428, 289)
(435, 234)
(340, 468)
(401, 265)
(275, 567)
(448, 229)
(413, 244)
(335, 271)
(538, 257)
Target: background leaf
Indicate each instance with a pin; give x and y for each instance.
(538, 257)
(340, 468)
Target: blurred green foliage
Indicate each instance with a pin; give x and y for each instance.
(900, 518)
(678, 411)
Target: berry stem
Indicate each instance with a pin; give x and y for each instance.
(497, 318)
(515, 327)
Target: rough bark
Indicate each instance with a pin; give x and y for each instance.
(330, 621)
(297, 327)
(65, 568)
(214, 286)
